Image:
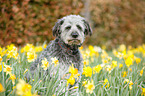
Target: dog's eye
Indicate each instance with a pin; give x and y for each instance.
(68, 27)
(79, 27)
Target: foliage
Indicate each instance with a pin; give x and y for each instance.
(23, 21)
(113, 21)
(105, 73)
(117, 22)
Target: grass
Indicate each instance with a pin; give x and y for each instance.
(18, 61)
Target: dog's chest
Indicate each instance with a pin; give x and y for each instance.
(65, 59)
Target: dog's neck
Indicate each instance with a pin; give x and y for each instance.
(71, 50)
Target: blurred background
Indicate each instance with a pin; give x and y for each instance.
(113, 22)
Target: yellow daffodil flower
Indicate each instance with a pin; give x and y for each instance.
(143, 92)
(87, 71)
(124, 74)
(138, 60)
(38, 49)
(7, 69)
(97, 69)
(55, 61)
(106, 83)
(86, 62)
(141, 72)
(2, 89)
(71, 80)
(73, 71)
(12, 77)
(90, 87)
(126, 80)
(130, 85)
(1, 59)
(120, 65)
(31, 56)
(114, 64)
(129, 61)
(45, 64)
(23, 88)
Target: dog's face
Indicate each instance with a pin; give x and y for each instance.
(72, 29)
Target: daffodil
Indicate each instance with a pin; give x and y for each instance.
(138, 60)
(0, 67)
(97, 68)
(2, 89)
(122, 48)
(23, 88)
(130, 69)
(120, 65)
(55, 61)
(115, 52)
(38, 49)
(1, 59)
(86, 62)
(44, 46)
(12, 51)
(109, 58)
(73, 71)
(129, 61)
(108, 68)
(87, 71)
(27, 48)
(143, 92)
(120, 55)
(114, 64)
(90, 87)
(7, 69)
(141, 72)
(104, 54)
(81, 48)
(10, 54)
(12, 77)
(2, 51)
(92, 50)
(124, 74)
(71, 80)
(105, 61)
(45, 64)
(106, 83)
(130, 85)
(86, 54)
(129, 82)
(126, 80)
(31, 56)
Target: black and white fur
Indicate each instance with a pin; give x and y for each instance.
(70, 33)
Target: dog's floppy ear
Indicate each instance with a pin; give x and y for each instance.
(56, 29)
(88, 30)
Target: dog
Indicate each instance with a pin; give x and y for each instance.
(70, 32)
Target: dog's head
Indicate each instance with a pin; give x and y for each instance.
(72, 29)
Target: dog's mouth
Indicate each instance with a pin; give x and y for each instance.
(74, 42)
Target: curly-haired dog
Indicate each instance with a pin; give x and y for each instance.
(70, 33)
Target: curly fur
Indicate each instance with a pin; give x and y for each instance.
(65, 46)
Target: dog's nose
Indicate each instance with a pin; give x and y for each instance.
(74, 34)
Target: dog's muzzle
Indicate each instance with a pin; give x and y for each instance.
(74, 39)
(74, 42)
